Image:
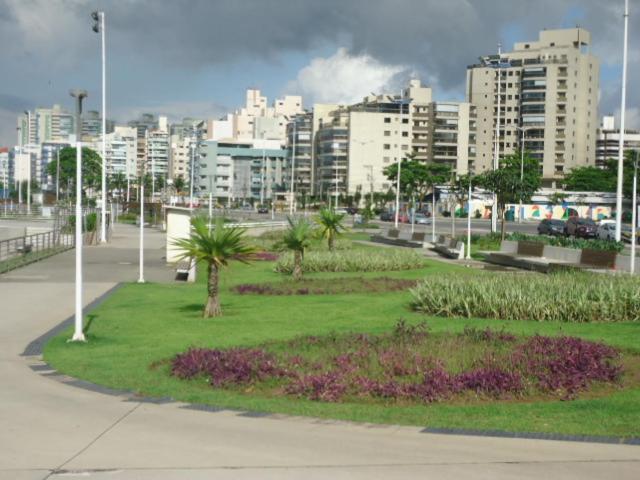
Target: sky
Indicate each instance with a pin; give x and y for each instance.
(195, 58)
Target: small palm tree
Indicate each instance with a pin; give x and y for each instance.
(216, 247)
(297, 238)
(330, 224)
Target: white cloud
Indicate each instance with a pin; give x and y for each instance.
(345, 78)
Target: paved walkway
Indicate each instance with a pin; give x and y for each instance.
(49, 429)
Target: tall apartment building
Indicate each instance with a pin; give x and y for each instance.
(244, 172)
(452, 135)
(48, 153)
(122, 151)
(5, 177)
(143, 125)
(354, 144)
(256, 119)
(157, 143)
(548, 87)
(300, 151)
(53, 124)
(608, 141)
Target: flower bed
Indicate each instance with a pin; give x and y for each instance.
(354, 261)
(326, 286)
(410, 365)
(561, 297)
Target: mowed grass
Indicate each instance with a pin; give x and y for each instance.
(135, 331)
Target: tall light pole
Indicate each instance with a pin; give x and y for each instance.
(293, 166)
(399, 165)
(496, 154)
(623, 106)
(28, 113)
(522, 144)
(98, 27)
(634, 214)
(141, 249)
(468, 255)
(78, 334)
(20, 144)
(57, 174)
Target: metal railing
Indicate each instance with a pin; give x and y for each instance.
(20, 251)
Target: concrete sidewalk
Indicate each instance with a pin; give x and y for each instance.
(49, 429)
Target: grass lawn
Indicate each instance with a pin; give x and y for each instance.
(142, 325)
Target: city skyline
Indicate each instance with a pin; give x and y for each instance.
(202, 69)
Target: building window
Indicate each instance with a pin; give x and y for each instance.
(387, 119)
(386, 146)
(385, 159)
(387, 133)
(405, 120)
(405, 134)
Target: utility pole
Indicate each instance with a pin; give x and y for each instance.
(496, 165)
(78, 334)
(293, 167)
(29, 162)
(399, 165)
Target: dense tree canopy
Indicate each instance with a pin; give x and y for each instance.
(417, 177)
(506, 183)
(91, 167)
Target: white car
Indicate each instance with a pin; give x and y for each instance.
(607, 230)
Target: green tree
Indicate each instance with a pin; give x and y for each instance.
(590, 179)
(297, 238)
(330, 224)
(505, 182)
(117, 181)
(459, 191)
(91, 167)
(216, 247)
(179, 183)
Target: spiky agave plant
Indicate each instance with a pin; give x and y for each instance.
(216, 247)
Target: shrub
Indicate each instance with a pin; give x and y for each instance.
(590, 298)
(568, 242)
(353, 261)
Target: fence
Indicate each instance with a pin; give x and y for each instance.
(16, 252)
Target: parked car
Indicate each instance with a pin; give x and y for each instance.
(263, 210)
(551, 227)
(387, 216)
(581, 227)
(421, 219)
(625, 233)
(352, 210)
(607, 231)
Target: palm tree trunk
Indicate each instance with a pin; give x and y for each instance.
(331, 241)
(297, 265)
(212, 308)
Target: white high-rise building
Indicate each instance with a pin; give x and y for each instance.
(608, 141)
(122, 148)
(549, 87)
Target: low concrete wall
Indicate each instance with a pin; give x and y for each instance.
(623, 263)
(562, 254)
(509, 246)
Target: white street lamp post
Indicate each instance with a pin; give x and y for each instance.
(19, 177)
(193, 161)
(293, 166)
(78, 334)
(469, 219)
(522, 146)
(141, 254)
(623, 101)
(57, 174)
(399, 169)
(634, 214)
(98, 27)
(433, 214)
(28, 162)
(494, 207)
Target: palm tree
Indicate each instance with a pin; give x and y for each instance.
(297, 238)
(330, 224)
(216, 247)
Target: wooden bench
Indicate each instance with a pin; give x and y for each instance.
(449, 247)
(598, 259)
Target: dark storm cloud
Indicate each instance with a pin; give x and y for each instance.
(43, 42)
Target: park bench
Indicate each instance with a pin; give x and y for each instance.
(449, 247)
(393, 238)
(186, 270)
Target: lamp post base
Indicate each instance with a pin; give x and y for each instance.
(77, 337)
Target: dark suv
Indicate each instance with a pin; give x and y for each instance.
(581, 227)
(550, 226)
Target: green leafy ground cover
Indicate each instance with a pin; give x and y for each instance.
(138, 330)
